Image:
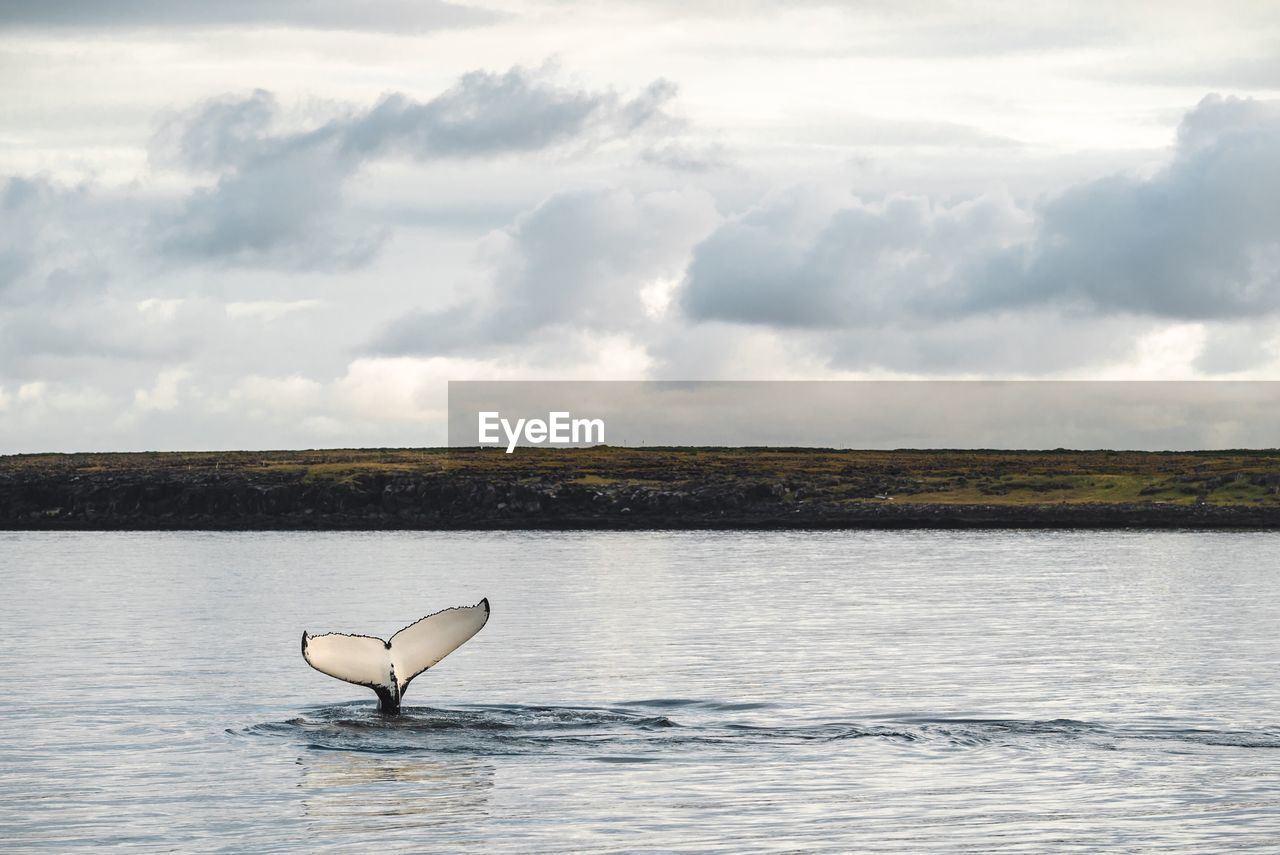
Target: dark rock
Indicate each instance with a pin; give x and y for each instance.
(263, 497)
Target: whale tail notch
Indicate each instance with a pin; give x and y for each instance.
(387, 667)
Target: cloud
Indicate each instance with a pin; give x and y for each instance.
(907, 27)
(1023, 344)
(103, 327)
(486, 114)
(19, 200)
(900, 134)
(580, 260)
(291, 393)
(66, 400)
(287, 212)
(383, 16)
(279, 196)
(62, 248)
(811, 259)
(77, 284)
(683, 156)
(111, 297)
(164, 394)
(1251, 71)
(903, 283)
(269, 310)
(50, 239)
(1195, 241)
(1232, 347)
(225, 131)
(120, 324)
(1030, 343)
(397, 389)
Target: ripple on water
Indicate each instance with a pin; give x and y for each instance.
(632, 731)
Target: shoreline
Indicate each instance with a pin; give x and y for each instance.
(602, 489)
(1049, 522)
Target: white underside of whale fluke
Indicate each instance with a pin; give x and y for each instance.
(387, 667)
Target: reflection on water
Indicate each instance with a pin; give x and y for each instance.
(342, 789)
(688, 691)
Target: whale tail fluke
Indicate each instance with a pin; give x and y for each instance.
(387, 667)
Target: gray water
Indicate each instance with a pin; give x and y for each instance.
(647, 691)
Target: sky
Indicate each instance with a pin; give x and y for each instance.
(289, 225)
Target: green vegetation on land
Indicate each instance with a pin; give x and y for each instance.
(933, 477)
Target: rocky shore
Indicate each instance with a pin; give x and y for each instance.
(278, 491)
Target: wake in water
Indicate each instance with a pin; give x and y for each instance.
(648, 730)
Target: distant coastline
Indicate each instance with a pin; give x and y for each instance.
(627, 488)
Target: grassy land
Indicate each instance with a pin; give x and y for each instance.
(1012, 478)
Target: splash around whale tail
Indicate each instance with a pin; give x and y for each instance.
(387, 667)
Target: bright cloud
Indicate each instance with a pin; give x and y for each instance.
(247, 225)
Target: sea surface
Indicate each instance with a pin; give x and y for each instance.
(804, 692)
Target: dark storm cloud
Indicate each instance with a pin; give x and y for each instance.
(278, 199)
(1196, 241)
(381, 16)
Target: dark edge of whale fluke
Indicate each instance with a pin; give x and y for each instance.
(391, 692)
(484, 601)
